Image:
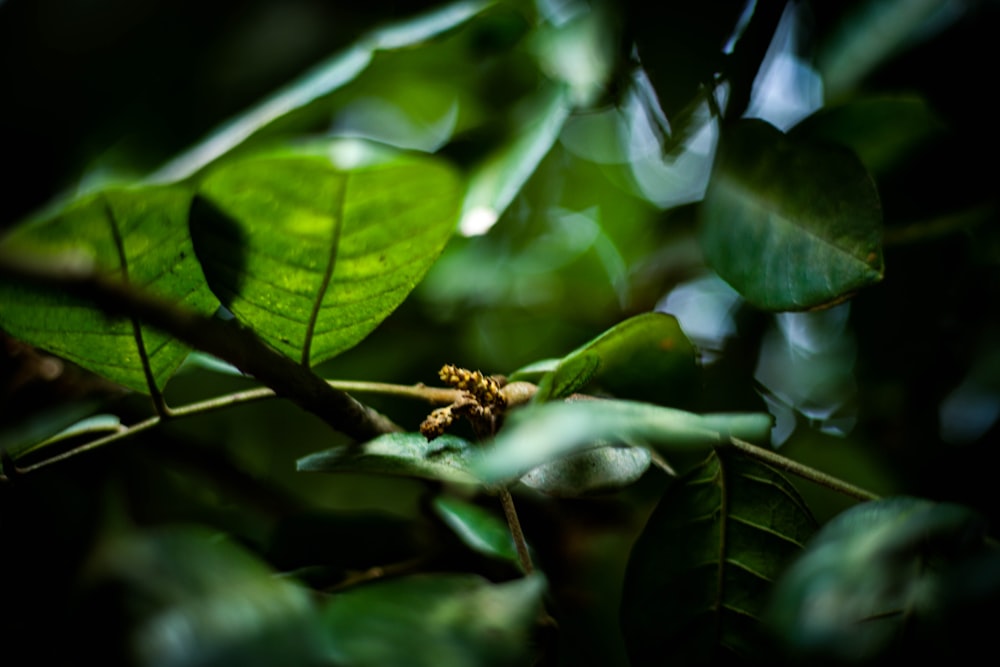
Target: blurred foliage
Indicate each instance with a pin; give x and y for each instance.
(585, 134)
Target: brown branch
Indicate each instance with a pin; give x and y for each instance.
(226, 340)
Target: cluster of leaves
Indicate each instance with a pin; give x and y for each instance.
(291, 233)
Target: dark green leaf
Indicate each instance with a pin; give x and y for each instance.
(597, 470)
(791, 225)
(645, 357)
(881, 572)
(477, 528)
(446, 458)
(539, 434)
(437, 621)
(188, 598)
(701, 572)
(313, 258)
(882, 131)
(140, 235)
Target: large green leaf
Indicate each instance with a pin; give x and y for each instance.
(183, 597)
(140, 235)
(538, 434)
(645, 357)
(791, 225)
(435, 620)
(700, 574)
(314, 258)
(889, 571)
(447, 458)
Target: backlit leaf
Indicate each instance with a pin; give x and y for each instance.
(314, 258)
(139, 235)
(791, 225)
(700, 574)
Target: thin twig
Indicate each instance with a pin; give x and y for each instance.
(803, 471)
(232, 343)
(521, 544)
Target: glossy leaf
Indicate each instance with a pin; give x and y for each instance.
(791, 225)
(138, 235)
(538, 434)
(882, 571)
(93, 428)
(434, 620)
(448, 458)
(591, 471)
(313, 258)
(188, 598)
(700, 574)
(645, 357)
(479, 529)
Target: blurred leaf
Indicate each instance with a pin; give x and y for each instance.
(92, 427)
(480, 530)
(883, 131)
(597, 470)
(317, 84)
(873, 32)
(682, 50)
(313, 258)
(790, 225)
(435, 620)
(880, 573)
(645, 357)
(140, 235)
(534, 371)
(700, 574)
(539, 434)
(495, 182)
(188, 598)
(447, 458)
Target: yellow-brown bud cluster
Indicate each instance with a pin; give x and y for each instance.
(486, 390)
(481, 402)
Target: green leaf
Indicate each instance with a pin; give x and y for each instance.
(447, 458)
(92, 428)
(480, 530)
(139, 235)
(313, 258)
(645, 357)
(185, 597)
(899, 569)
(297, 102)
(882, 131)
(598, 470)
(791, 225)
(701, 572)
(537, 434)
(435, 620)
(495, 182)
